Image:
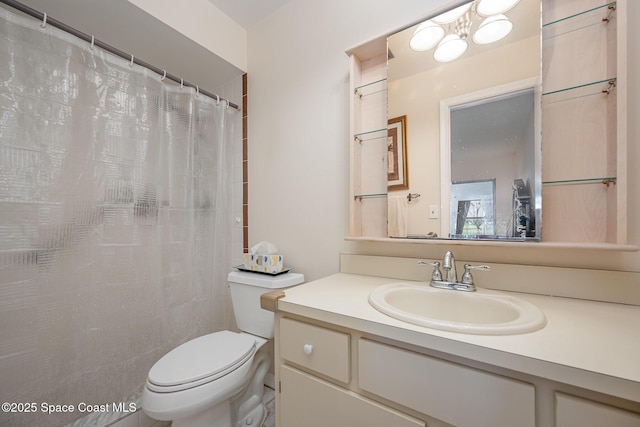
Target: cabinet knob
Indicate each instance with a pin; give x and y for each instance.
(308, 349)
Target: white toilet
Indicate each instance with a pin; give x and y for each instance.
(217, 380)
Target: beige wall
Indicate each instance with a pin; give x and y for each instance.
(299, 139)
(203, 23)
(299, 123)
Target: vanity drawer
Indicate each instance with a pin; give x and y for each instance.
(321, 350)
(455, 394)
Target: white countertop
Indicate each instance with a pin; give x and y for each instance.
(588, 344)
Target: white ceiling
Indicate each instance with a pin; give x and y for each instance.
(247, 12)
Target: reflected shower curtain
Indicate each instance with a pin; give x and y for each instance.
(114, 220)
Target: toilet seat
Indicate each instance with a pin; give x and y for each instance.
(200, 361)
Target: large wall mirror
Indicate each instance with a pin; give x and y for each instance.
(466, 86)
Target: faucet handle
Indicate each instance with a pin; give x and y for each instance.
(436, 275)
(467, 278)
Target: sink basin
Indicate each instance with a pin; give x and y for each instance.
(483, 312)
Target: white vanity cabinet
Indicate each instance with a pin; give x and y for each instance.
(337, 378)
(327, 375)
(305, 399)
(573, 411)
(340, 360)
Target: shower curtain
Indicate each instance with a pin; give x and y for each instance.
(115, 222)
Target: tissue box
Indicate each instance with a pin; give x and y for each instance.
(264, 263)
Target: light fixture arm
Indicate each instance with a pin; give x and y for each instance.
(463, 26)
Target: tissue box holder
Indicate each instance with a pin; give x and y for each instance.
(264, 263)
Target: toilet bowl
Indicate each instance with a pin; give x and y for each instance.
(217, 380)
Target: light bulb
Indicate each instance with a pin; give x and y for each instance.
(492, 29)
(450, 48)
(426, 36)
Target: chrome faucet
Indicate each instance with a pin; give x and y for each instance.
(450, 279)
(449, 267)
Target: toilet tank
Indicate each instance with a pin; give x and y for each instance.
(246, 289)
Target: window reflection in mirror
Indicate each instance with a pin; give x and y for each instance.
(473, 208)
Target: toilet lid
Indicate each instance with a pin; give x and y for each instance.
(202, 359)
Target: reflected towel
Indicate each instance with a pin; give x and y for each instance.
(397, 216)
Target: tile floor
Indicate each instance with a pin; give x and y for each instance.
(269, 400)
(140, 419)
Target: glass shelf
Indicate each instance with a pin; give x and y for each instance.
(604, 180)
(597, 15)
(371, 88)
(370, 135)
(588, 89)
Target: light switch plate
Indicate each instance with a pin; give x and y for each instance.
(434, 211)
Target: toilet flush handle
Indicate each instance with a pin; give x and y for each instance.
(308, 349)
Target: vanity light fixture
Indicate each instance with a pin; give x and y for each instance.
(449, 31)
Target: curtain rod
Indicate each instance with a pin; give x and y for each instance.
(95, 42)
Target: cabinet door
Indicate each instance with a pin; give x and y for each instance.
(572, 411)
(310, 402)
(455, 394)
